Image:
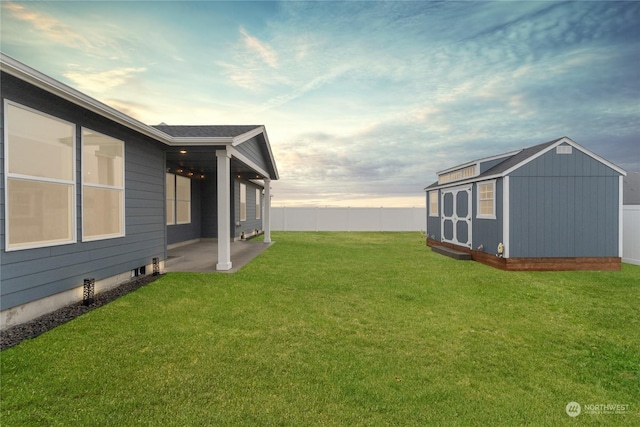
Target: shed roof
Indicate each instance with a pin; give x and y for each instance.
(519, 158)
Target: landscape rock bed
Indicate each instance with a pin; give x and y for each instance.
(18, 333)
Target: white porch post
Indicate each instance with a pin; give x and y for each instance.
(267, 210)
(224, 209)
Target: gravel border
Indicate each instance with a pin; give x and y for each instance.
(16, 334)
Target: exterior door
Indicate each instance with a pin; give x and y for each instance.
(456, 215)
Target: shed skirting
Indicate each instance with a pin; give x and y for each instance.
(536, 264)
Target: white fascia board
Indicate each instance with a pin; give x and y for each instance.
(201, 141)
(244, 159)
(42, 81)
(466, 181)
(239, 139)
(254, 132)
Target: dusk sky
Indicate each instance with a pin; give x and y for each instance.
(362, 101)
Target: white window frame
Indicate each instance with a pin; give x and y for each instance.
(479, 200)
(434, 195)
(258, 203)
(105, 187)
(8, 175)
(243, 202)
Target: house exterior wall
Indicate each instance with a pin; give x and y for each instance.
(564, 205)
(488, 232)
(252, 150)
(251, 222)
(184, 232)
(209, 206)
(31, 274)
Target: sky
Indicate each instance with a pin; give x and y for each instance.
(363, 101)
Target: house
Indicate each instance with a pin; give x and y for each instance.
(631, 218)
(87, 192)
(554, 206)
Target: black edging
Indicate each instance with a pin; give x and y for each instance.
(16, 334)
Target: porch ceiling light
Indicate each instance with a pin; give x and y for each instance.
(183, 151)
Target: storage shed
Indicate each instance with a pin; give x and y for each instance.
(553, 206)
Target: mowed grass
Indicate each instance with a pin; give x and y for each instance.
(340, 329)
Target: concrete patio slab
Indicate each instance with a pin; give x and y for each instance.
(202, 256)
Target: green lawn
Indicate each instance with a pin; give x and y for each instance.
(340, 329)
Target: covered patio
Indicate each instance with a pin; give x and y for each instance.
(201, 257)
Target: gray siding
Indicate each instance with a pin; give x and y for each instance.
(32, 274)
(433, 222)
(488, 232)
(251, 223)
(209, 206)
(183, 232)
(564, 205)
(251, 149)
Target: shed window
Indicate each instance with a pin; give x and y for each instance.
(40, 173)
(487, 200)
(258, 197)
(243, 202)
(171, 198)
(102, 186)
(433, 203)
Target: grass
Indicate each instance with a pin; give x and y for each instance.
(340, 329)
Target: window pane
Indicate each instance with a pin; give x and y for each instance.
(183, 212)
(183, 188)
(171, 186)
(486, 207)
(38, 212)
(102, 159)
(38, 145)
(102, 212)
(171, 211)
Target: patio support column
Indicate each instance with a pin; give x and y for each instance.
(224, 209)
(267, 210)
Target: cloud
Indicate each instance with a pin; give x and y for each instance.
(51, 28)
(265, 52)
(102, 81)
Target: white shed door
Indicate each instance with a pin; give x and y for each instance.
(456, 215)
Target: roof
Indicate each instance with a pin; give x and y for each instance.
(631, 189)
(518, 159)
(205, 131)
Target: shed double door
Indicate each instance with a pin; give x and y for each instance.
(456, 215)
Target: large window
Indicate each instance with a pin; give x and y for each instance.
(433, 203)
(258, 205)
(178, 199)
(102, 186)
(243, 202)
(40, 179)
(487, 200)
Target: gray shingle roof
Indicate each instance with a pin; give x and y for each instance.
(523, 155)
(205, 131)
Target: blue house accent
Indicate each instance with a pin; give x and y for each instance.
(89, 192)
(552, 206)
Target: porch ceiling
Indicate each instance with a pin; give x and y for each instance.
(202, 161)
